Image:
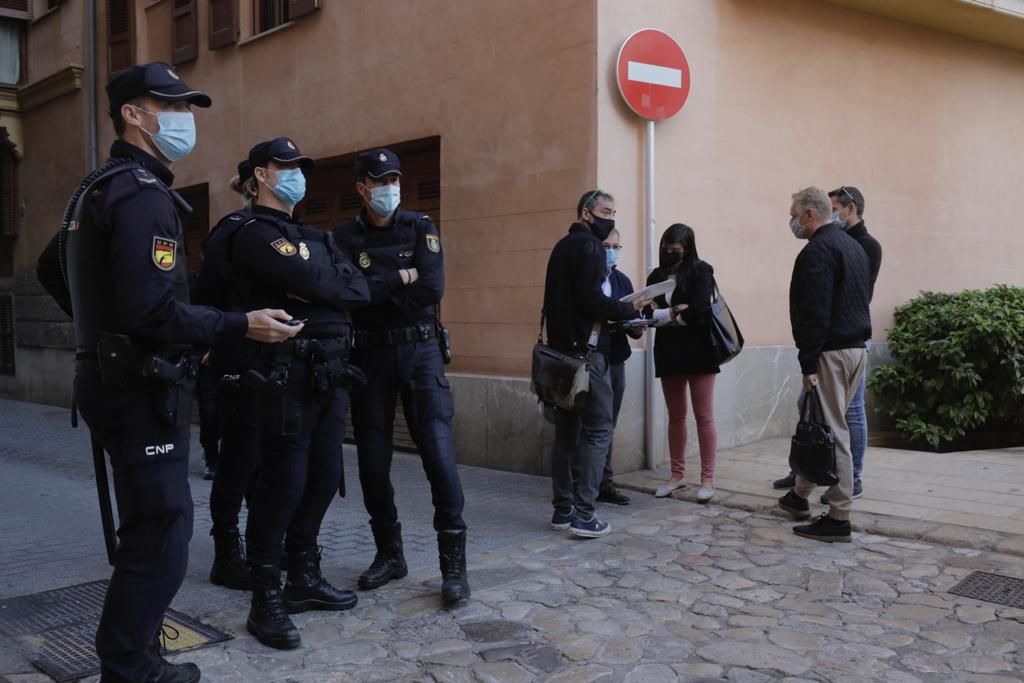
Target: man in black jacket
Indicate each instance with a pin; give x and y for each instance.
(577, 312)
(829, 297)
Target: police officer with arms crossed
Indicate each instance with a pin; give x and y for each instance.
(126, 286)
(398, 341)
(235, 478)
(302, 388)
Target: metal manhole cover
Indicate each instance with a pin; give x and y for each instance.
(57, 629)
(1002, 590)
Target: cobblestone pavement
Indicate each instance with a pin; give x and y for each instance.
(677, 592)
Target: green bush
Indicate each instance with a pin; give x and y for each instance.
(959, 366)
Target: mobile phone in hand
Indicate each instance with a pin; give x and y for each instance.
(295, 322)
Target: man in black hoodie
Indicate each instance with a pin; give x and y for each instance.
(577, 312)
(829, 296)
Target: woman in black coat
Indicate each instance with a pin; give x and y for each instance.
(683, 355)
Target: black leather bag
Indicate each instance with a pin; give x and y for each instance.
(726, 338)
(812, 452)
(559, 379)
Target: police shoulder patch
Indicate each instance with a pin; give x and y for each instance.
(145, 177)
(284, 247)
(164, 253)
(433, 243)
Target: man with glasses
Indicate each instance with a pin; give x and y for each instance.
(577, 311)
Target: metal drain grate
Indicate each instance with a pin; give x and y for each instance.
(1002, 590)
(57, 629)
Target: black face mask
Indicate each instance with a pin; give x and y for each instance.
(601, 227)
(669, 259)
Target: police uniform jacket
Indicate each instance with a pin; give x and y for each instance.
(411, 241)
(126, 263)
(282, 264)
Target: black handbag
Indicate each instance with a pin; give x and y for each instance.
(812, 452)
(726, 338)
(560, 379)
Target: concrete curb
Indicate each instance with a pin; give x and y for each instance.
(866, 522)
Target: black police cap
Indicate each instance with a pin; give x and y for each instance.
(157, 80)
(377, 163)
(278, 149)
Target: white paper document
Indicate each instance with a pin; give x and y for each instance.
(651, 292)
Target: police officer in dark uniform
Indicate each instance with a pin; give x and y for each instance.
(235, 478)
(399, 346)
(301, 389)
(121, 251)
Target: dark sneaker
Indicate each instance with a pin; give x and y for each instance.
(825, 529)
(589, 528)
(858, 491)
(560, 521)
(610, 494)
(798, 508)
(787, 482)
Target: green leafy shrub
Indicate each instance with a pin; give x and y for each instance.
(959, 365)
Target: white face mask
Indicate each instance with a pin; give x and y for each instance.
(385, 199)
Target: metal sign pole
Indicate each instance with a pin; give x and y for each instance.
(652, 260)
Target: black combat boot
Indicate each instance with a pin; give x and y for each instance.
(451, 547)
(268, 620)
(389, 562)
(307, 588)
(162, 670)
(229, 568)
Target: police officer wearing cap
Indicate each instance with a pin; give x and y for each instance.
(118, 268)
(301, 390)
(398, 346)
(235, 478)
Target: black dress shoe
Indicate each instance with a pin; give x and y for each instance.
(787, 482)
(797, 507)
(825, 529)
(610, 494)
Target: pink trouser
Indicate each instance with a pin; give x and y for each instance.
(702, 391)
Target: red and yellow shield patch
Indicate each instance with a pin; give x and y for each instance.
(164, 253)
(284, 247)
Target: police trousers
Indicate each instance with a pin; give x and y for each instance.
(414, 371)
(299, 475)
(154, 505)
(238, 471)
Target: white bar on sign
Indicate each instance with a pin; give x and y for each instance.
(654, 74)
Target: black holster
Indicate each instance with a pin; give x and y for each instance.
(279, 413)
(172, 379)
(329, 366)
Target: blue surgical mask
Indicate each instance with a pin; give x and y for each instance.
(837, 220)
(611, 257)
(799, 231)
(384, 199)
(177, 134)
(291, 186)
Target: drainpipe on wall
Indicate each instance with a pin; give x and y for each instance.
(91, 82)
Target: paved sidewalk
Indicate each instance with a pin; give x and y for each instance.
(973, 498)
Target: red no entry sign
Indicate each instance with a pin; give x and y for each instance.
(653, 75)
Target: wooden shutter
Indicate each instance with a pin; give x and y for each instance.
(197, 223)
(223, 23)
(120, 35)
(17, 9)
(299, 8)
(186, 34)
(8, 191)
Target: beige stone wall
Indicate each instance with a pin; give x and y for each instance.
(509, 88)
(797, 92)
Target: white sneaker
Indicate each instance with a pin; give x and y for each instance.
(670, 486)
(705, 493)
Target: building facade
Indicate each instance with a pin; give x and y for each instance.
(504, 113)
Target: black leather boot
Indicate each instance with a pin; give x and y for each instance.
(229, 568)
(389, 562)
(268, 620)
(162, 670)
(451, 547)
(307, 588)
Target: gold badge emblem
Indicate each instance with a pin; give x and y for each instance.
(164, 253)
(434, 243)
(284, 247)
(303, 251)
(364, 260)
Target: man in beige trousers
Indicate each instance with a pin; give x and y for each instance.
(829, 297)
